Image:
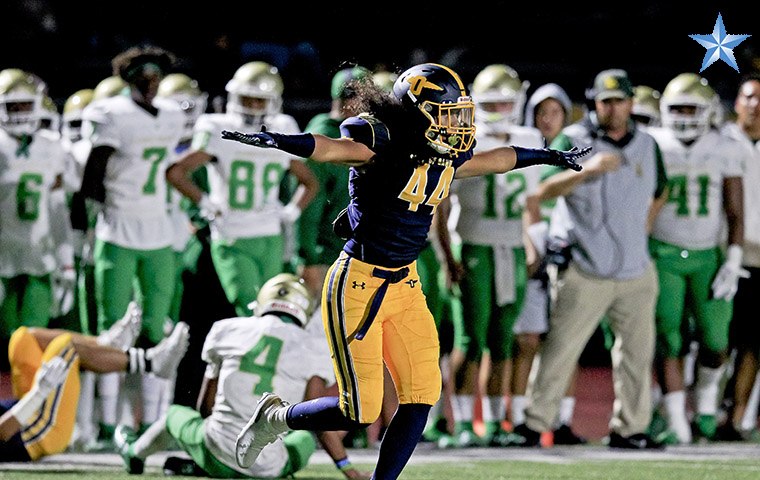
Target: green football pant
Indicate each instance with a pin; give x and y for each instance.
(243, 266)
(115, 270)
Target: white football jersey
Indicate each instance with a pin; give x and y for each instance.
(751, 171)
(693, 216)
(135, 213)
(27, 175)
(74, 171)
(492, 205)
(251, 356)
(244, 180)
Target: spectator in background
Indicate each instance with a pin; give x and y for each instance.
(609, 206)
(549, 109)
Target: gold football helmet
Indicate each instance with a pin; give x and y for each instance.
(285, 293)
(255, 91)
(21, 101)
(110, 87)
(50, 119)
(689, 106)
(646, 106)
(72, 114)
(185, 91)
(499, 96)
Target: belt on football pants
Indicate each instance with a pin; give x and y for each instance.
(388, 276)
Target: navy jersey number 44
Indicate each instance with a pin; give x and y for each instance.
(393, 199)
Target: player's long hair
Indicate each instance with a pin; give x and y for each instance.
(406, 126)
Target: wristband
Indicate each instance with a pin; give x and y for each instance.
(343, 464)
(300, 145)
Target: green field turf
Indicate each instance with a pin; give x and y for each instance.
(665, 469)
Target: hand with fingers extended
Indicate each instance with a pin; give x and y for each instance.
(568, 158)
(261, 139)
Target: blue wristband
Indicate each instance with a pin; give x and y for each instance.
(343, 464)
(300, 145)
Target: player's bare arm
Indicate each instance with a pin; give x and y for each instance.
(504, 159)
(307, 145)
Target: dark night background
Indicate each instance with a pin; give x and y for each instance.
(70, 43)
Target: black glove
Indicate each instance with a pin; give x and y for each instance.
(527, 157)
(262, 139)
(300, 145)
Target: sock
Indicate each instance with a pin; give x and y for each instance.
(108, 392)
(519, 402)
(706, 389)
(494, 409)
(319, 414)
(138, 361)
(566, 409)
(435, 412)
(155, 439)
(85, 420)
(749, 420)
(400, 440)
(28, 405)
(463, 408)
(152, 389)
(675, 410)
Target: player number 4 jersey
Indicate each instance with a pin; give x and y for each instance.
(252, 356)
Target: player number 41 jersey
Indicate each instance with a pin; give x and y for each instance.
(693, 216)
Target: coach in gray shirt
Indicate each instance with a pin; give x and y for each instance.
(606, 211)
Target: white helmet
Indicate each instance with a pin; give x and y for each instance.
(689, 90)
(286, 294)
(21, 97)
(258, 80)
(499, 84)
(185, 91)
(72, 114)
(646, 105)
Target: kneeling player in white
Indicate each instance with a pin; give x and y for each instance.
(248, 357)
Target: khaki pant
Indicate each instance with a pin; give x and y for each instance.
(582, 301)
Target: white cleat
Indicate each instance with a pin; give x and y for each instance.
(165, 356)
(258, 432)
(124, 332)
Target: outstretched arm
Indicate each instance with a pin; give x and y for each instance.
(504, 159)
(307, 145)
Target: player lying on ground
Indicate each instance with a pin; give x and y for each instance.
(45, 367)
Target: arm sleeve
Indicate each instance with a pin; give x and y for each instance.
(366, 129)
(662, 177)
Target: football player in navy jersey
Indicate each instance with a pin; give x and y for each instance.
(404, 152)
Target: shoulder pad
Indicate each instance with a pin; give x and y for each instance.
(366, 129)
